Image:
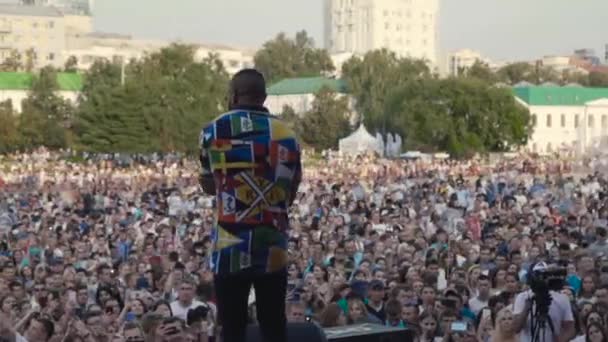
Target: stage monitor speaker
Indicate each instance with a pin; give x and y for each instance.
(368, 333)
(296, 332)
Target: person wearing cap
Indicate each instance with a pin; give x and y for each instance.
(250, 162)
(375, 300)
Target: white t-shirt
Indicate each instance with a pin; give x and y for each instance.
(476, 305)
(181, 312)
(559, 311)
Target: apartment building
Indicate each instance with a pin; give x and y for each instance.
(32, 28)
(407, 27)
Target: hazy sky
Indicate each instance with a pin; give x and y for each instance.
(500, 29)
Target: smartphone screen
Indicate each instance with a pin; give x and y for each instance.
(459, 326)
(486, 313)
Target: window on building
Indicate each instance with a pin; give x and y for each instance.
(387, 26)
(386, 13)
(534, 120)
(425, 28)
(549, 119)
(590, 121)
(576, 119)
(604, 121)
(35, 24)
(549, 148)
(563, 120)
(51, 56)
(424, 42)
(51, 24)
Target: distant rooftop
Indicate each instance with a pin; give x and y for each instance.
(29, 11)
(109, 35)
(307, 85)
(559, 96)
(23, 81)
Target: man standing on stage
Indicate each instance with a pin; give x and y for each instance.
(251, 164)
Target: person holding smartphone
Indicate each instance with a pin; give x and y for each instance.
(461, 331)
(172, 329)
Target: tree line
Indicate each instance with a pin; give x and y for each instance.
(461, 115)
(160, 102)
(156, 104)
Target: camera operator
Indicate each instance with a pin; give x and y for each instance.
(528, 310)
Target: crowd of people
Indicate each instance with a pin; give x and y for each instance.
(102, 250)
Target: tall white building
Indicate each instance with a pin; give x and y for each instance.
(407, 27)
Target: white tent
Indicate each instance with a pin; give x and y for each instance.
(360, 142)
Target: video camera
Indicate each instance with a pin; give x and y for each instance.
(542, 279)
(550, 278)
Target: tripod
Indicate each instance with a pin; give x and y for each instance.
(540, 320)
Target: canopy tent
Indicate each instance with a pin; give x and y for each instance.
(360, 142)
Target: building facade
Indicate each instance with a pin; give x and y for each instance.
(299, 94)
(461, 60)
(567, 119)
(407, 27)
(15, 86)
(92, 47)
(55, 30)
(34, 31)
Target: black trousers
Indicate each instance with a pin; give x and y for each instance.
(232, 294)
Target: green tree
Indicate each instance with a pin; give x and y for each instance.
(284, 57)
(598, 79)
(289, 115)
(12, 63)
(327, 122)
(165, 101)
(71, 64)
(516, 72)
(30, 60)
(574, 77)
(482, 72)
(108, 119)
(544, 74)
(372, 78)
(45, 117)
(462, 116)
(9, 137)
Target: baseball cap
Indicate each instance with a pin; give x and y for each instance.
(540, 267)
(376, 285)
(451, 293)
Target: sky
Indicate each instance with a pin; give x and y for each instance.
(504, 30)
